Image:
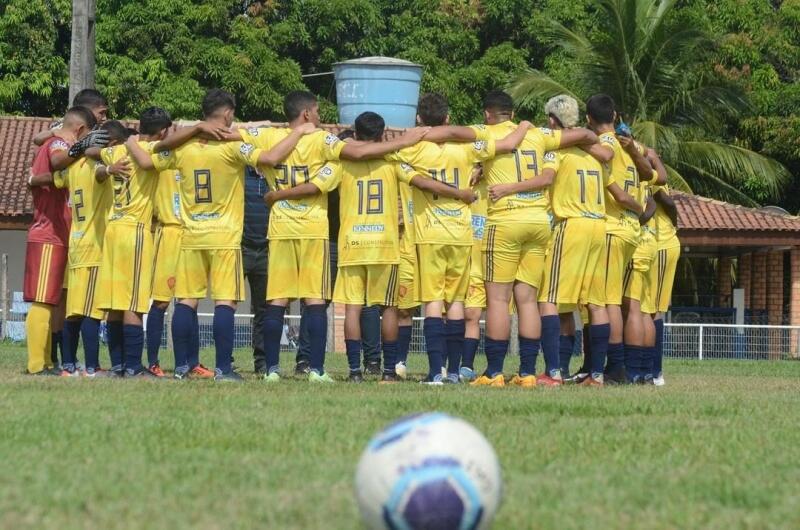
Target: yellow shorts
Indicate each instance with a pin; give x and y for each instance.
(299, 268)
(661, 278)
(637, 275)
(367, 285)
(574, 271)
(476, 293)
(515, 251)
(618, 254)
(222, 265)
(81, 294)
(442, 272)
(407, 290)
(165, 266)
(125, 274)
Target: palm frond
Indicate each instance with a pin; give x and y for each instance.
(659, 137)
(720, 189)
(676, 180)
(533, 86)
(704, 105)
(735, 164)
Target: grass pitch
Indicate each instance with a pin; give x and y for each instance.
(719, 447)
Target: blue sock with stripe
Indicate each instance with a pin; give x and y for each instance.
(273, 330)
(69, 342)
(389, 357)
(318, 335)
(353, 348)
(566, 345)
(495, 356)
(658, 356)
(115, 345)
(528, 352)
(183, 332)
(435, 345)
(598, 337)
(403, 342)
(470, 349)
(223, 337)
(155, 331)
(90, 331)
(551, 328)
(133, 346)
(454, 331)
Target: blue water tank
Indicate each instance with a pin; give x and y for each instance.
(384, 85)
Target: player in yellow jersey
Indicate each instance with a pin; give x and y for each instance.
(90, 201)
(622, 223)
(475, 302)
(406, 278)
(369, 251)
(515, 237)
(573, 272)
(662, 271)
(298, 229)
(212, 209)
(443, 230)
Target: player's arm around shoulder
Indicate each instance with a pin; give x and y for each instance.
(276, 155)
(624, 198)
(513, 139)
(372, 150)
(430, 185)
(542, 181)
(325, 181)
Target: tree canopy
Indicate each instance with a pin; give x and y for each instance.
(168, 52)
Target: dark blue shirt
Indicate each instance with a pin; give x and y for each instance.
(256, 212)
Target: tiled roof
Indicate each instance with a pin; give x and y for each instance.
(701, 213)
(16, 156)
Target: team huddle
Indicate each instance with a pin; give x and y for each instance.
(451, 221)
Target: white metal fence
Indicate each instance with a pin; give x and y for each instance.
(682, 340)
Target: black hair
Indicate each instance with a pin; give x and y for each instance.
(432, 109)
(217, 99)
(498, 102)
(600, 108)
(117, 132)
(347, 133)
(153, 120)
(369, 126)
(83, 114)
(296, 102)
(90, 98)
(132, 131)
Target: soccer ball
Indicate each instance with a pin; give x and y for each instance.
(428, 472)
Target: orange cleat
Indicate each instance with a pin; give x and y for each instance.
(591, 381)
(546, 380)
(201, 372)
(524, 381)
(156, 370)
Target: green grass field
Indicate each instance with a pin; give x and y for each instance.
(719, 447)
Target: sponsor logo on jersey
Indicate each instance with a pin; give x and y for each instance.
(368, 228)
(246, 149)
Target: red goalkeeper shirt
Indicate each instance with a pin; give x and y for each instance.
(51, 213)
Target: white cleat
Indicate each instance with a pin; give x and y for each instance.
(401, 370)
(659, 381)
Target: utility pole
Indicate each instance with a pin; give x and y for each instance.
(81, 61)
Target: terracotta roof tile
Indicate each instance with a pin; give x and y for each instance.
(701, 213)
(16, 156)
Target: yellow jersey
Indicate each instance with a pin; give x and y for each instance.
(90, 202)
(619, 220)
(167, 199)
(523, 163)
(579, 186)
(666, 232)
(479, 208)
(305, 218)
(211, 190)
(368, 193)
(407, 207)
(442, 220)
(133, 195)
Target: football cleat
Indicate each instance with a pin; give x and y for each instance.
(201, 372)
(592, 381)
(272, 377)
(373, 368)
(315, 377)
(546, 380)
(524, 381)
(401, 370)
(355, 377)
(466, 374)
(388, 379)
(452, 379)
(576, 378)
(47, 372)
(437, 380)
(93, 372)
(67, 372)
(484, 380)
(156, 370)
(144, 373)
(109, 374)
(229, 377)
(616, 377)
(181, 373)
(659, 381)
(302, 368)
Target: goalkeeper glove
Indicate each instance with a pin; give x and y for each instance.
(98, 138)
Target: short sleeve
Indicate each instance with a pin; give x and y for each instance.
(107, 155)
(552, 138)
(328, 177)
(481, 132)
(61, 178)
(404, 172)
(406, 155)
(56, 146)
(261, 137)
(243, 153)
(481, 150)
(608, 141)
(164, 160)
(550, 161)
(331, 146)
(607, 180)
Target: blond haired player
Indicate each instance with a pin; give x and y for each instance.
(515, 238)
(573, 271)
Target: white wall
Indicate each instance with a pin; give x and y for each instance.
(12, 242)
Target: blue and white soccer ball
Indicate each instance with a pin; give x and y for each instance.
(429, 472)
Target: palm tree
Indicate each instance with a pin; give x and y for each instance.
(649, 67)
